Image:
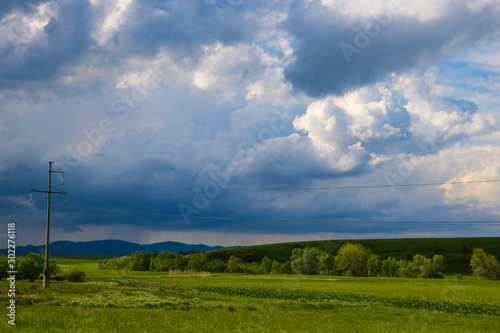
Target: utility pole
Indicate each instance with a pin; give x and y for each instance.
(46, 270)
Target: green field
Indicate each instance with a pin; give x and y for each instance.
(456, 251)
(128, 301)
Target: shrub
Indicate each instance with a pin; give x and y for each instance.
(31, 267)
(402, 267)
(286, 268)
(266, 265)
(374, 265)
(414, 267)
(141, 261)
(423, 267)
(235, 265)
(74, 275)
(432, 267)
(484, 266)
(351, 260)
(114, 263)
(389, 267)
(252, 268)
(4, 266)
(217, 265)
(167, 260)
(197, 261)
(326, 263)
(305, 261)
(276, 267)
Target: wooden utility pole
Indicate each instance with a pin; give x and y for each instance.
(46, 270)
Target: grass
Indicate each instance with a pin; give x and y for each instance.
(92, 307)
(251, 317)
(124, 301)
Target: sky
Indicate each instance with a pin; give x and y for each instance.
(237, 122)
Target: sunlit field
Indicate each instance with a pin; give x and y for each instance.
(126, 301)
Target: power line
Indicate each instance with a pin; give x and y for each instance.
(120, 211)
(293, 188)
(15, 208)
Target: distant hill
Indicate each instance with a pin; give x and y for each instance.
(456, 251)
(109, 247)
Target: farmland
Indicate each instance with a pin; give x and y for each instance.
(135, 301)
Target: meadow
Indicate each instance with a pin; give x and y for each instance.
(133, 301)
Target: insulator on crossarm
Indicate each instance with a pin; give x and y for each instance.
(31, 197)
(66, 199)
(63, 178)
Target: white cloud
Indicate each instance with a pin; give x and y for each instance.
(473, 164)
(224, 67)
(479, 5)
(271, 88)
(19, 29)
(436, 117)
(163, 68)
(115, 15)
(424, 10)
(371, 112)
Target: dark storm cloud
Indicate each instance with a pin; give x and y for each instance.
(183, 131)
(66, 39)
(180, 26)
(335, 55)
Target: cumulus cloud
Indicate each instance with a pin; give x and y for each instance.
(40, 39)
(366, 116)
(339, 50)
(186, 91)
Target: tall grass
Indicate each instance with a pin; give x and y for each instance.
(451, 306)
(178, 273)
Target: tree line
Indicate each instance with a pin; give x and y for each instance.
(31, 268)
(350, 260)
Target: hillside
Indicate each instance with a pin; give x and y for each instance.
(109, 247)
(457, 251)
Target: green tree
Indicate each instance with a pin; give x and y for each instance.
(286, 268)
(351, 259)
(197, 261)
(235, 265)
(484, 266)
(414, 268)
(389, 267)
(432, 268)
(4, 266)
(276, 267)
(252, 268)
(167, 260)
(374, 264)
(401, 267)
(305, 261)
(217, 265)
(31, 267)
(266, 265)
(326, 263)
(141, 261)
(114, 263)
